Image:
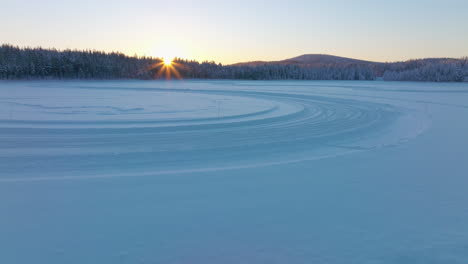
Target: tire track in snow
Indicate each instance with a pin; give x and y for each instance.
(271, 128)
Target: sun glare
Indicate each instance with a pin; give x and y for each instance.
(168, 61)
(167, 68)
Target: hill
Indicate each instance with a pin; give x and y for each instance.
(311, 60)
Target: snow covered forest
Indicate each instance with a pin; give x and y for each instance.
(39, 63)
(431, 70)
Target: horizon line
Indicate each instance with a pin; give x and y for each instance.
(240, 62)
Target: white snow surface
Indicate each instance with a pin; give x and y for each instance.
(233, 172)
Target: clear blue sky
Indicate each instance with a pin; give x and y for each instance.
(243, 30)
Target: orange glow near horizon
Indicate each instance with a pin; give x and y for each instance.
(167, 68)
(167, 61)
(167, 65)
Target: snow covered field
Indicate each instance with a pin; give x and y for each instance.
(233, 172)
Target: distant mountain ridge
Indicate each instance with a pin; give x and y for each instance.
(312, 60)
(317, 60)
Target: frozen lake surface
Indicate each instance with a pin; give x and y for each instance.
(233, 172)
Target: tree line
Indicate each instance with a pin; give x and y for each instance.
(39, 63)
(429, 70)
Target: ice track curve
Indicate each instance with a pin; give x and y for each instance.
(82, 130)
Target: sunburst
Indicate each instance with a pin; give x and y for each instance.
(168, 61)
(167, 68)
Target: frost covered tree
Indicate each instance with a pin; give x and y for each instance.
(432, 70)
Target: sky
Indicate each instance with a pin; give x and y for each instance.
(242, 30)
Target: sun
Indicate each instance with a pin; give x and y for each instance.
(168, 61)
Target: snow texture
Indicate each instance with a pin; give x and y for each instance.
(233, 172)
